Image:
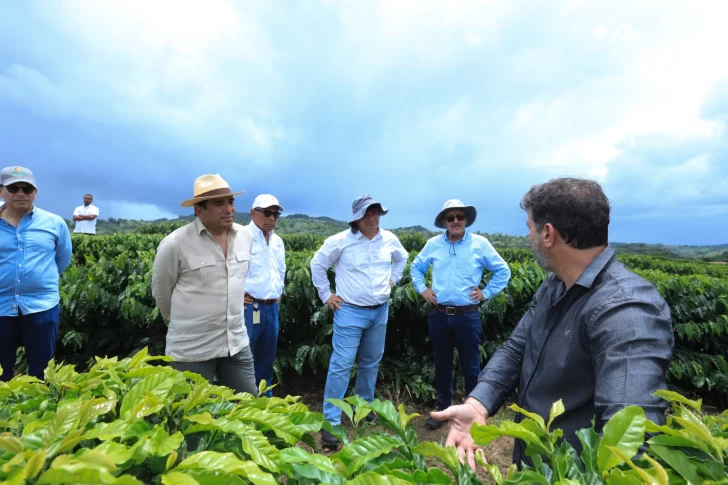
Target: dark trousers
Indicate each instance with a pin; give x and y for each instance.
(37, 333)
(263, 340)
(448, 332)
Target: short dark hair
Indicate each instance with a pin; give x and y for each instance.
(577, 208)
(88, 195)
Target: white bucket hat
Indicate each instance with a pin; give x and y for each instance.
(470, 212)
(361, 204)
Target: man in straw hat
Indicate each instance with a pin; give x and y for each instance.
(35, 248)
(368, 262)
(458, 259)
(597, 336)
(198, 282)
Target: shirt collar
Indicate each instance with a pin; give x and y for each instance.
(466, 236)
(200, 227)
(257, 232)
(586, 279)
(359, 235)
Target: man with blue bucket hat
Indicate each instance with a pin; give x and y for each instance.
(368, 262)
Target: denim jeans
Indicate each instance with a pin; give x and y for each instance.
(37, 333)
(263, 340)
(355, 329)
(447, 332)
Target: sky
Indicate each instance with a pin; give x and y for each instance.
(412, 101)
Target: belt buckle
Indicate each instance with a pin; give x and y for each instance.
(450, 310)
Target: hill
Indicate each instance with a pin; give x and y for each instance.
(326, 226)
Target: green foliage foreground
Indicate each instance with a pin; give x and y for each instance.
(128, 422)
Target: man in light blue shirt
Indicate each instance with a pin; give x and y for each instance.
(35, 248)
(458, 259)
(264, 285)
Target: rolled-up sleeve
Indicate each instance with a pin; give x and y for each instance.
(631, 343)
(322, 260)
(164, 276)
(494, 263)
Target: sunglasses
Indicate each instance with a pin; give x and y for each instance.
(459, 217)
(268, 213)
(13, 189)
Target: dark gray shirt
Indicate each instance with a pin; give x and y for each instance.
(604, 344)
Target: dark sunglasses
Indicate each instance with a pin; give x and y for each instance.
(27, 189)
(268, 213)
(459, 217)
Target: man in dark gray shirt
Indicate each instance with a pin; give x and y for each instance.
(597, 335)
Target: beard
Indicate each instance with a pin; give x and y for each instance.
(542, 258)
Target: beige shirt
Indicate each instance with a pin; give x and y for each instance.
(201, 292)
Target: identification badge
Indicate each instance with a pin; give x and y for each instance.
(256, 317)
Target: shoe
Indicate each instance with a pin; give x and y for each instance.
(371, 417)
(328, 440)
(432, 423)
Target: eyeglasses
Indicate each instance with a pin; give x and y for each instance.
(27, 189)
(268, 213)
(459, 217)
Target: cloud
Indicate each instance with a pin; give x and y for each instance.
(412, 101)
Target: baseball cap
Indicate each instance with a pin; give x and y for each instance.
(266, 200)
(12, 175)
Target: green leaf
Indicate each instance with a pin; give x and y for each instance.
(10, 443)
(35, 465)
(161, 444)
(178, 478)
(310, 472)
(276, 422)
(557, 409)
(671, 396)
(433, 475)
(215, 477)
(94, 408)
(107, 431)
(448, 456)
(535, 417)
(227, 462)
(157, 384)
(404, 418)
(678, 461)
(642, 474)
(344, 406)
(590, 440)
(355, 455)
(484, 435)
(83, 474)
(625, 431)
(65, 419)
(299, 455)
(370, 478)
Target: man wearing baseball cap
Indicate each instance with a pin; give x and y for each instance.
(35, 248)
(198, 283)
(368, 262)
(264, 285)
(458, 259)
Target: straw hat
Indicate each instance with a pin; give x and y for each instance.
(208, 187)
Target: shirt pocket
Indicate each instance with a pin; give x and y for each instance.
(353, 258)
(40, 242)
(241, 265)
(203, 266)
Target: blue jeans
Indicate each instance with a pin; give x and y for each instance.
(263, 341)
(463, 332)
(37, 332)
(355, 329)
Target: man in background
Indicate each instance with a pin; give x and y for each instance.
(35, 248)
(264, 286)
(85, 216)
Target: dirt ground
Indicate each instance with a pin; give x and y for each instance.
(499, 452)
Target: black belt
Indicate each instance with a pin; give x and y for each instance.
(369, 307)
(264, 302)
(457, 310)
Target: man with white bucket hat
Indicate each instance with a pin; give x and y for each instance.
(458, 259)
(264, 285)
(198, 282)
(368, 262)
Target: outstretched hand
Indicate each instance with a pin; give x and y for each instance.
(461, 418)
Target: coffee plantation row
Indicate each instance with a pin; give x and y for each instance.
(108, 310)
(126, 422)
